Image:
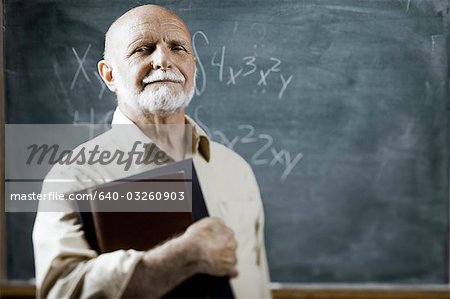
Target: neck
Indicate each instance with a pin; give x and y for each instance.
(147, 118)
(162, 118)
(167, 131)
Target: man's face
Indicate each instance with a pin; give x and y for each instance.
(153, 65)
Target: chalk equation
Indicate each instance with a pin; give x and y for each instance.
(249, 68)
(266, 154)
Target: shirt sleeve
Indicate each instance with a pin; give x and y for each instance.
(66, 267)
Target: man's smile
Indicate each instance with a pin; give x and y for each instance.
(163, 81)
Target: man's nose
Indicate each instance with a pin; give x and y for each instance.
(161, 58)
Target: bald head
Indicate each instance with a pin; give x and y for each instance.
(134, 19)
(149, 61)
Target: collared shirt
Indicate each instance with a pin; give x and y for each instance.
(66, 267)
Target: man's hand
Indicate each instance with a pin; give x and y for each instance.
(214, 246)
(208, 246)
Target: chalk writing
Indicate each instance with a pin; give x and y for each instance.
(103, 118)
(102, 84)
(264, 75)
(80, 66)
(258, 29)
(285, 84)
(266, 154)
(199, 91)
(275, 68)
(249, 60)
(220, 63)
(248, 68)
(76, 121)
(233, 76)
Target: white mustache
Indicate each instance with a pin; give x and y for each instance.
(163, 76)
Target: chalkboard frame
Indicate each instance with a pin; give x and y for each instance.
(279, 290)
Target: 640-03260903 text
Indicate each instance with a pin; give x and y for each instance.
(102, 195)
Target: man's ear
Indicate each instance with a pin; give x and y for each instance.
(105, 71)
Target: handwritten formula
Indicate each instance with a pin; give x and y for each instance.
(250, 67)
(267, 154)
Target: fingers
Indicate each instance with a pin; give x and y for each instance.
(233, 273)
(225, 267)
(216, 246)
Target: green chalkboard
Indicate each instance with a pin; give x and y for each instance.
(340, 107)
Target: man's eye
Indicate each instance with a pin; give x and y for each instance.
(143, 49)
(178, 48)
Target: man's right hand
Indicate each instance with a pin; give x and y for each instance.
(214, 246)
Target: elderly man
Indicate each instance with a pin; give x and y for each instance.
(149, 64)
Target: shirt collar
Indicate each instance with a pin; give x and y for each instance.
(200, 138)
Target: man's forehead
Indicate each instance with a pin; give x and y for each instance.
(150, 21)
(163, 27)
(147, 22)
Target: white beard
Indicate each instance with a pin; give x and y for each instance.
(160, 100)
(163, 99)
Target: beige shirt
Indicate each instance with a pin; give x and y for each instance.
(66, 267)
